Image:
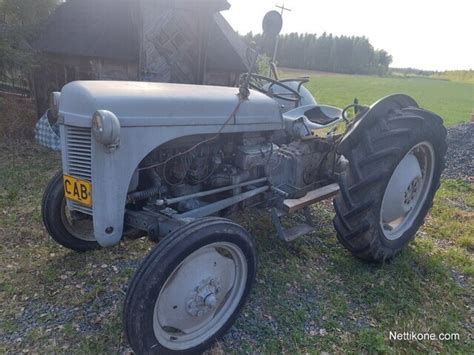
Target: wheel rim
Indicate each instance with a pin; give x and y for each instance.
(407, 190)
(200, 295)
(79, 226)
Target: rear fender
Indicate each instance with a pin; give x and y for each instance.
(365, 118)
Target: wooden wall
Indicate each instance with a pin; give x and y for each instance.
(173, 43)
(169, 41)
(58, 70)
(173, 48)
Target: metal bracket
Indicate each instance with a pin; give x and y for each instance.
(156, 224)
(143, 221)
(297, 231)
(222, 204)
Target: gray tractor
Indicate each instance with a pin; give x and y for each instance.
(171, 161)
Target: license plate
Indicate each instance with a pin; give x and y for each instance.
(78, 190)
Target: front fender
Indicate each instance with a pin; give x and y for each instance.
(113, 171)
(365, 118)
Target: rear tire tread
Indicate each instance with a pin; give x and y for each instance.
(383, 143)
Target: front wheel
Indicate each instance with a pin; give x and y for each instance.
(71, 229)
(388, 187)
(189, 290)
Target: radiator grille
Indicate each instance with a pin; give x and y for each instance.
(79, 158)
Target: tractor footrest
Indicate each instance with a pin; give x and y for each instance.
(293, 205)
(294, 232)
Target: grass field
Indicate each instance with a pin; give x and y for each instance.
(462, 76)
(451, 100)
(310, 296)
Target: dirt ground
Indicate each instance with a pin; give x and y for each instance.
(310, 295)
(17, 117)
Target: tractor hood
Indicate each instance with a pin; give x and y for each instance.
(160, 104)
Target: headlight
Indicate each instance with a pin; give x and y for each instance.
(54, 106)
(106, 128)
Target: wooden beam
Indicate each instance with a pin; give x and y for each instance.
(293, 205)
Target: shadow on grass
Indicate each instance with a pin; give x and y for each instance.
(313, 295)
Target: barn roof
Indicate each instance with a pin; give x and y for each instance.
(226, 48)
(91, 28)
(107, 29)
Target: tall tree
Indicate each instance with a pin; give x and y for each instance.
(328, 53)
(25, 12)
(19, 20)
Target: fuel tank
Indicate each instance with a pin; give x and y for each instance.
(141, 104)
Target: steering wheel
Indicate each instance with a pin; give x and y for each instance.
(265, 85)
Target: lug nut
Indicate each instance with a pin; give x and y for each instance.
(210, 300)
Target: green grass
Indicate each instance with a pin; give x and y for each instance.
(453, 101)
(462, 76)
(310, 295)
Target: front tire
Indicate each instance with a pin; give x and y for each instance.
(72, 230)
(190, 289)
(388, 187)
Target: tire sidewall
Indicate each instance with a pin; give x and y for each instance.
(160, 264)
(409, 234)
(374, 151)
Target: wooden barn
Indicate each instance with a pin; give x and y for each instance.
(180, 41)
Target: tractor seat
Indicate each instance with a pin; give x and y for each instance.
(323, 115)
(318, 116)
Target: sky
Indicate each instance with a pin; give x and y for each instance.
(423, 34)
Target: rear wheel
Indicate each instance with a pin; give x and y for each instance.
(393, 174)
(189, 290)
